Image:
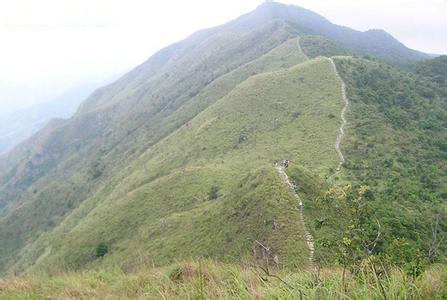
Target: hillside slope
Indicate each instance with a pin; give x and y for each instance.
(175, 158)
(71, 160)
(395, 143)
(230, 145)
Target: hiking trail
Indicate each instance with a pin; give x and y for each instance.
(342, 115)
(301, 49)
(308, 236)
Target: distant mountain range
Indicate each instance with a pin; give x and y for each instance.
(16, 126)
(175, 159)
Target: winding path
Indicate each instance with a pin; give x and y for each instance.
(281, 170)
(343, 118)
(301, 49)
(308, 236)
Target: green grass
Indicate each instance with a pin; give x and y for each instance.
(159, 205)
(44, 181)
(207, 279)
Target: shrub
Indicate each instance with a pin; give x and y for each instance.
(96, 170)
(175, 274)
(296, 115)
(213, 193)
(101, 250)
(96, 174)
(243, 136)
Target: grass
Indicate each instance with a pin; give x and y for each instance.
(159, 205)
(208, 279)
(71, 161)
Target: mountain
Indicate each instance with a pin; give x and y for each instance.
(377, 43)
(20, 125)
(175, 159)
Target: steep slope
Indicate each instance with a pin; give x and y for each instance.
(341, 133)
(99, 128)
(72, 160)
(150, 205)
(394, 144)
(308, 237)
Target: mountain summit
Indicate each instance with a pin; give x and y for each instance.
(377, 43)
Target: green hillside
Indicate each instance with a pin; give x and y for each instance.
(175, 161)
(68, 160)
(395, 144)
(230, 145)
(436, 71)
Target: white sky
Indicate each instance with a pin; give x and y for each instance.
(50, 44)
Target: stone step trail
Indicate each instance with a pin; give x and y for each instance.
(307, 235)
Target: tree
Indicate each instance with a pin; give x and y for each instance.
(356, 245)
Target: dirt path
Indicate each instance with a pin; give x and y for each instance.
(343, 118)
(301, 49)
(308, 236)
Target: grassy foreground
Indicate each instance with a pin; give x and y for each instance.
(213, 280)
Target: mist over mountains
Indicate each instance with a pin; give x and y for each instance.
(18, 125)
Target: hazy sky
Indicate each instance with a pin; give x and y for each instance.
(49, 44)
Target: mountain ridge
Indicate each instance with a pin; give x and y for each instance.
(175, 158)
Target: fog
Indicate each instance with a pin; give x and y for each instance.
(49, 46)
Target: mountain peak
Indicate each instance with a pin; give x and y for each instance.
(287, 12)
(375, 42)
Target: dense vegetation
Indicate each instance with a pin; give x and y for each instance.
(314, 46)
(436, 71)
(396, 145)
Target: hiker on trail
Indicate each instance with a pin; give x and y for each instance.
(286, 163)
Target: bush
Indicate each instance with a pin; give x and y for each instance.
(96, 170)
(101, 250)
(175, 274)
(213, 193)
